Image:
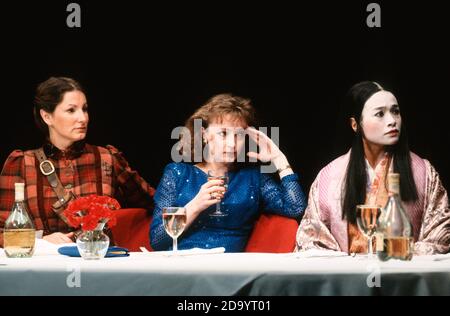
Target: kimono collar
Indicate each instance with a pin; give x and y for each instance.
(380, 167)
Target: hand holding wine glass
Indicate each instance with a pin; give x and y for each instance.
(174, 219)
(366, 218)
(212, 175)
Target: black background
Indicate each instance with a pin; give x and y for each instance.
(146, 67)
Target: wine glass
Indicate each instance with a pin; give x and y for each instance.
(174, 219)
(212, 175)
(366, 218)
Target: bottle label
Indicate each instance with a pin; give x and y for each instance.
(379, 241)
(19, 193)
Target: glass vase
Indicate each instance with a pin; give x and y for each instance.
(93, 244)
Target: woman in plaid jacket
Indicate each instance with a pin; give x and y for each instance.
(61, 112)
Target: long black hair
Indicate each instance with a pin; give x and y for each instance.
(356, 176)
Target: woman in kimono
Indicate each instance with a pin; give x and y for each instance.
(379, 146)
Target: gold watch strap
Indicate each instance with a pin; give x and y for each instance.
(284, 168)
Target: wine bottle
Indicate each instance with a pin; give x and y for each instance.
(394, 236)
(19, 234)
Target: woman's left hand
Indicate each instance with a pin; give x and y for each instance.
(268, 150)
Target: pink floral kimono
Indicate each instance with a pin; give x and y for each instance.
(322, 226)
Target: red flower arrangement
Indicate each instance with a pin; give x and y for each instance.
(91, 210)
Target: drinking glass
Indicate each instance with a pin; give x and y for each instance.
(174, 219)
(366, 218)
(218, 176)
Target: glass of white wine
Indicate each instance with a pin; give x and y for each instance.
(366, 218)
(218, 176)
(174, 219)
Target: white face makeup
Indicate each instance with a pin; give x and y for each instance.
(226, 139)
(381, 120)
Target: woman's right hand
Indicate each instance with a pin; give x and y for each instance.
(59, 238)
(209, 194)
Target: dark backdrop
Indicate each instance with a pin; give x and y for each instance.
(147, 67)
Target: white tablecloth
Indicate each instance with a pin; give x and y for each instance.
(221, 274)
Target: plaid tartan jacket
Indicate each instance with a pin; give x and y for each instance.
(85, 170)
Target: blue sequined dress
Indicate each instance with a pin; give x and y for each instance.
(249, 192)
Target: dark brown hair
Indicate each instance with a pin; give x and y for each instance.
(49, 94)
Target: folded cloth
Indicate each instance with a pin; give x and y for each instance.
(319, 253)
(72, 251)
(437, 257)
(186, 252)
(44, 248)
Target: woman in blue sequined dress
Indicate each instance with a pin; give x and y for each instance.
(216, 140)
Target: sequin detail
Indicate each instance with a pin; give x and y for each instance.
(249, 193)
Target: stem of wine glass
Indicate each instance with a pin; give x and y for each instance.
(218, 207)
(175, 245)
(370, 248)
